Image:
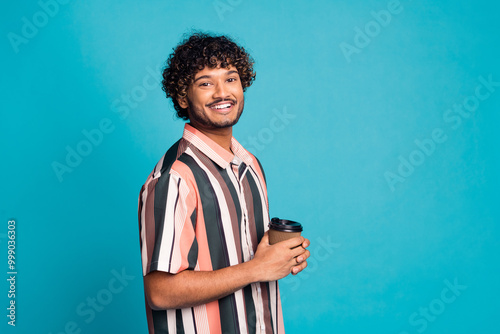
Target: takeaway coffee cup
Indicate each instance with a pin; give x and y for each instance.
(282, 229)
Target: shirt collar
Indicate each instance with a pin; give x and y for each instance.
(213, 150)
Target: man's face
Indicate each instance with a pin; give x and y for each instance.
(215, 98)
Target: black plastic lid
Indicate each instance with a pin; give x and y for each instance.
(284, 225)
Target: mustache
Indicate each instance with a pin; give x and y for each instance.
(221, 100)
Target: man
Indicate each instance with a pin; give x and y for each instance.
(203, 211)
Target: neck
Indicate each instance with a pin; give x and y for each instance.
(220, 136)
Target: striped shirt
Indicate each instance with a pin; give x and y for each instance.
(203, 208)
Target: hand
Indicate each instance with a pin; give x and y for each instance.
(273, 262)
(301, 259)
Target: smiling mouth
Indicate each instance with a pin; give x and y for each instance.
(224, 106)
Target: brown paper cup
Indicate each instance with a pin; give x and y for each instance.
(282, 229)
(277, 236)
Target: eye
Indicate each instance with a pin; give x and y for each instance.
(204, 84)
(232, 79)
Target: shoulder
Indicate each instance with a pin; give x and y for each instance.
(167, 165)
(257, 165)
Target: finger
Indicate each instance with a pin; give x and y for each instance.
(299, 268)
(293, 242)
(265, 238)
(297, 251)
(303, 257)
(306, 243)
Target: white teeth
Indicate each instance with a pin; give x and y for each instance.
(222, 106)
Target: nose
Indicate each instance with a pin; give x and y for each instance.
(221, 91)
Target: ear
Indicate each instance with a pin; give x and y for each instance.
(182, 102)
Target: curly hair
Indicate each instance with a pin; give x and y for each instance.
(196, 52)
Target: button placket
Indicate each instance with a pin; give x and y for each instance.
(248, 238)
(247, 250)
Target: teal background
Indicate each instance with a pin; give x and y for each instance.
(379, 254)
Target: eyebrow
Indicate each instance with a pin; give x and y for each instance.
(208, 76)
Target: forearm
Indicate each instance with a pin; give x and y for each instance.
(190, 288)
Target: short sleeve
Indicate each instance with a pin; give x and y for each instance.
(167, 218)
